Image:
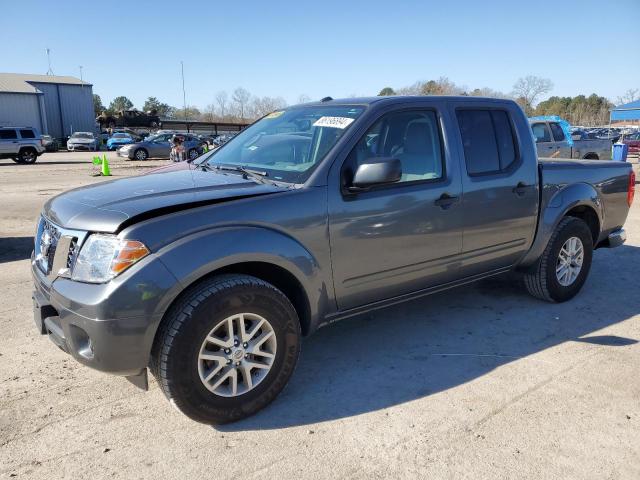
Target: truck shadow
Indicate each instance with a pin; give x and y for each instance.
(15, 248)
(430, 345)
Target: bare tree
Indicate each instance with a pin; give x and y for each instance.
(629, 96)
(209, 114)
(222, 99)
(240, 99)
(304, 98)
(528, 89)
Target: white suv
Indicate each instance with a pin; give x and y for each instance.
(21, 144)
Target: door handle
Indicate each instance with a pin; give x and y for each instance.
(520, 189)
(445, 201)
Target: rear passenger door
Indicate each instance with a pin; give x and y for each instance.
(500, 199)
(544, 143)
(562, 146)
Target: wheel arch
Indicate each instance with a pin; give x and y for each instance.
(580, 200)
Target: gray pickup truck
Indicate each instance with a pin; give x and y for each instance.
(208, 273)
(551, 142)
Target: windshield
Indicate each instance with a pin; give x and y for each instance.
(120, 135)
(288, 144)
(82, 135)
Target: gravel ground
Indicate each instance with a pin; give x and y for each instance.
(478, 382)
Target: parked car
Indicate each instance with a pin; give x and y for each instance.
(129, 118)
(209, 272)
(551, 142)
(633, 141)
(50, 143)
(117, 140)
(159, 146)
(21, 144)
(86, 141)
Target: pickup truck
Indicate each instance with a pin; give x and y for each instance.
(208, 273)
(551, 142)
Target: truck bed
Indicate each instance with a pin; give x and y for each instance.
(609, 179)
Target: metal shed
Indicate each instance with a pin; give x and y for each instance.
(57, 105)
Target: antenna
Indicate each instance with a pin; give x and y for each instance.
(50, 71)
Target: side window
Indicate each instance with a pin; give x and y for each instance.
(8, 135)
(541, 132)
(27, 134)
(558, 133)
(487, 138)
(413, 137)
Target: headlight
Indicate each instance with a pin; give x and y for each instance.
(103, 257)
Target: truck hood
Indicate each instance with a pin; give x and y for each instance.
(111, 206)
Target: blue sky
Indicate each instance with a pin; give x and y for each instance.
(327, 47)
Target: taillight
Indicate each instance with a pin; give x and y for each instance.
(42, 142)
(631, 191)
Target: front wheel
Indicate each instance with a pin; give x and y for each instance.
(564, 265)
(193, 154)
(227, 348)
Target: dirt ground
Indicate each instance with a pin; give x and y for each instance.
(482, 382)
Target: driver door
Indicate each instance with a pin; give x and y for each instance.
(398, 238)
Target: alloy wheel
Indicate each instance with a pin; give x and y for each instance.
(237, 354)
(569, 261)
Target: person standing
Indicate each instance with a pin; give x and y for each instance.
(177, 149)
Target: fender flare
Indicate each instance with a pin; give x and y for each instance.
(555, 209)
(200, 254)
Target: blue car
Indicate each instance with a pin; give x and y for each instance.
(119, 139)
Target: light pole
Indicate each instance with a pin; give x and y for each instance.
(184, 95)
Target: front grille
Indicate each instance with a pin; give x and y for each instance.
(45, 244)
(56, 246)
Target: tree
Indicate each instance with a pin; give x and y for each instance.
(580, 110)
(98, 107)
(191, 113)
(386, 91)
(222, 99)
(209, 114)
(120, 103)
(442, 86)
(240, 98)
(304, 98)
(264, 105)
(161, 109)
(528, 89)
(629, 96)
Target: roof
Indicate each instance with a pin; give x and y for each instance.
(627, 111)
(22, 83)
(390, 99)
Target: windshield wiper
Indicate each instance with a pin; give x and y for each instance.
(246, 172)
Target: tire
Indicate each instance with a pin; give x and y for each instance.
(591, 156)
(28, 156)
(193, 154)
(176, 355)
(155, 124)
(542, 281)
(141, 154)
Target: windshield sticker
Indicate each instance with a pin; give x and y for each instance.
(275, 114)
(333, 122)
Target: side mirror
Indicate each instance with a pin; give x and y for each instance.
(376, 171)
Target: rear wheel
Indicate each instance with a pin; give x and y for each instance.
(140, 154)
(227, 348)
(564, 265)
(27, 155)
